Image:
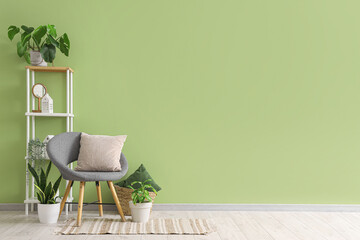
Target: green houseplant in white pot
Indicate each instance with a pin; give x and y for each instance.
(38, 46)
(48, 208)
(141, 201)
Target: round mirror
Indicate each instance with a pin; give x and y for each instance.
(39, 90)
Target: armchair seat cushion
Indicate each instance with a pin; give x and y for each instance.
(96, 176)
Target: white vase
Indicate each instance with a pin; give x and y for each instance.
(48, 213)
(140, 212)
(36, 59)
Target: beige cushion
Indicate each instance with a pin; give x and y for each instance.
(100, 153)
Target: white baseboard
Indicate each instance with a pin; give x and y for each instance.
(219, 207)
(259, 207)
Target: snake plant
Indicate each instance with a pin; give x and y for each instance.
(45, 190)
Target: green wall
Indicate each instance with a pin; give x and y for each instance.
(223, 101)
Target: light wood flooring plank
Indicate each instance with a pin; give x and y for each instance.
(226, 227)
(335, 220)
(251, 228)
(276, 229)
(297, 227)
(318, 225)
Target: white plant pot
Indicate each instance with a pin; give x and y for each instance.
(36, 59)
(140, 212)
(48, 213)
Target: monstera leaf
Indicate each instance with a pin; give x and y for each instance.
(65, 44)
(12, 31)
(48, 52)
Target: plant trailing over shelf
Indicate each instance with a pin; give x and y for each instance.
(36, 151)
(43, 39)
(141, 194)
(46, 191)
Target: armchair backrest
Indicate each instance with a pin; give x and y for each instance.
(64, 149)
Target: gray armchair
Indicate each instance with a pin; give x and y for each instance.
(63, 149)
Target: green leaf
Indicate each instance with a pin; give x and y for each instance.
(42, 180)
(21, 49)
(51, 30)
(12, 31)
(34, 173)
(52, 195)
(64, 44)
(42, 194)
(148, 198)
(57, 184)
(136, 182)
(48, 192)
(151, 188)
(53, 41)
(48, 52)
(27, 57)
(149, 180)
(135, 198)
(48, 170)
(25, 37)
(133, 194)
(38, 197)
(39, 33)
(27, 29)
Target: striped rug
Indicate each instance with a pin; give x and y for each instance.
(96, 226)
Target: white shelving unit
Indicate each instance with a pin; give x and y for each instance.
(30, 122)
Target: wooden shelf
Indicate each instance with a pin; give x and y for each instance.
(37, 114)
(48, 69)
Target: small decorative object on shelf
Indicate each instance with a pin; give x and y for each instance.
(38, 46)
(47, 104)
(45, 142)
(39, 91)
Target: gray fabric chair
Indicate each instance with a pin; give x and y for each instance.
(63, 149)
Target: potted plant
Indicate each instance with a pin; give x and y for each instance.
(48, 208)
(141, 201)
(38, 46)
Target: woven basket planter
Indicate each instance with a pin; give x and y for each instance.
(124, 195)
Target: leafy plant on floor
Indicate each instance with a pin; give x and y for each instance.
(43, 39)
(46, 191)
(141, 194)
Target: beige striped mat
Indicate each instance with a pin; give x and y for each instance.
(95, 226)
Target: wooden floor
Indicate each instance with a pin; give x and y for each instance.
(230, 225)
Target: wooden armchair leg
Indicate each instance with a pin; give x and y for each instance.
(67, 191)
(116, 200)
(98, 191)
(80, 204)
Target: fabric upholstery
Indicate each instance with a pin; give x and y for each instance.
(141, 174)
(100, 153)
(63, 149)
